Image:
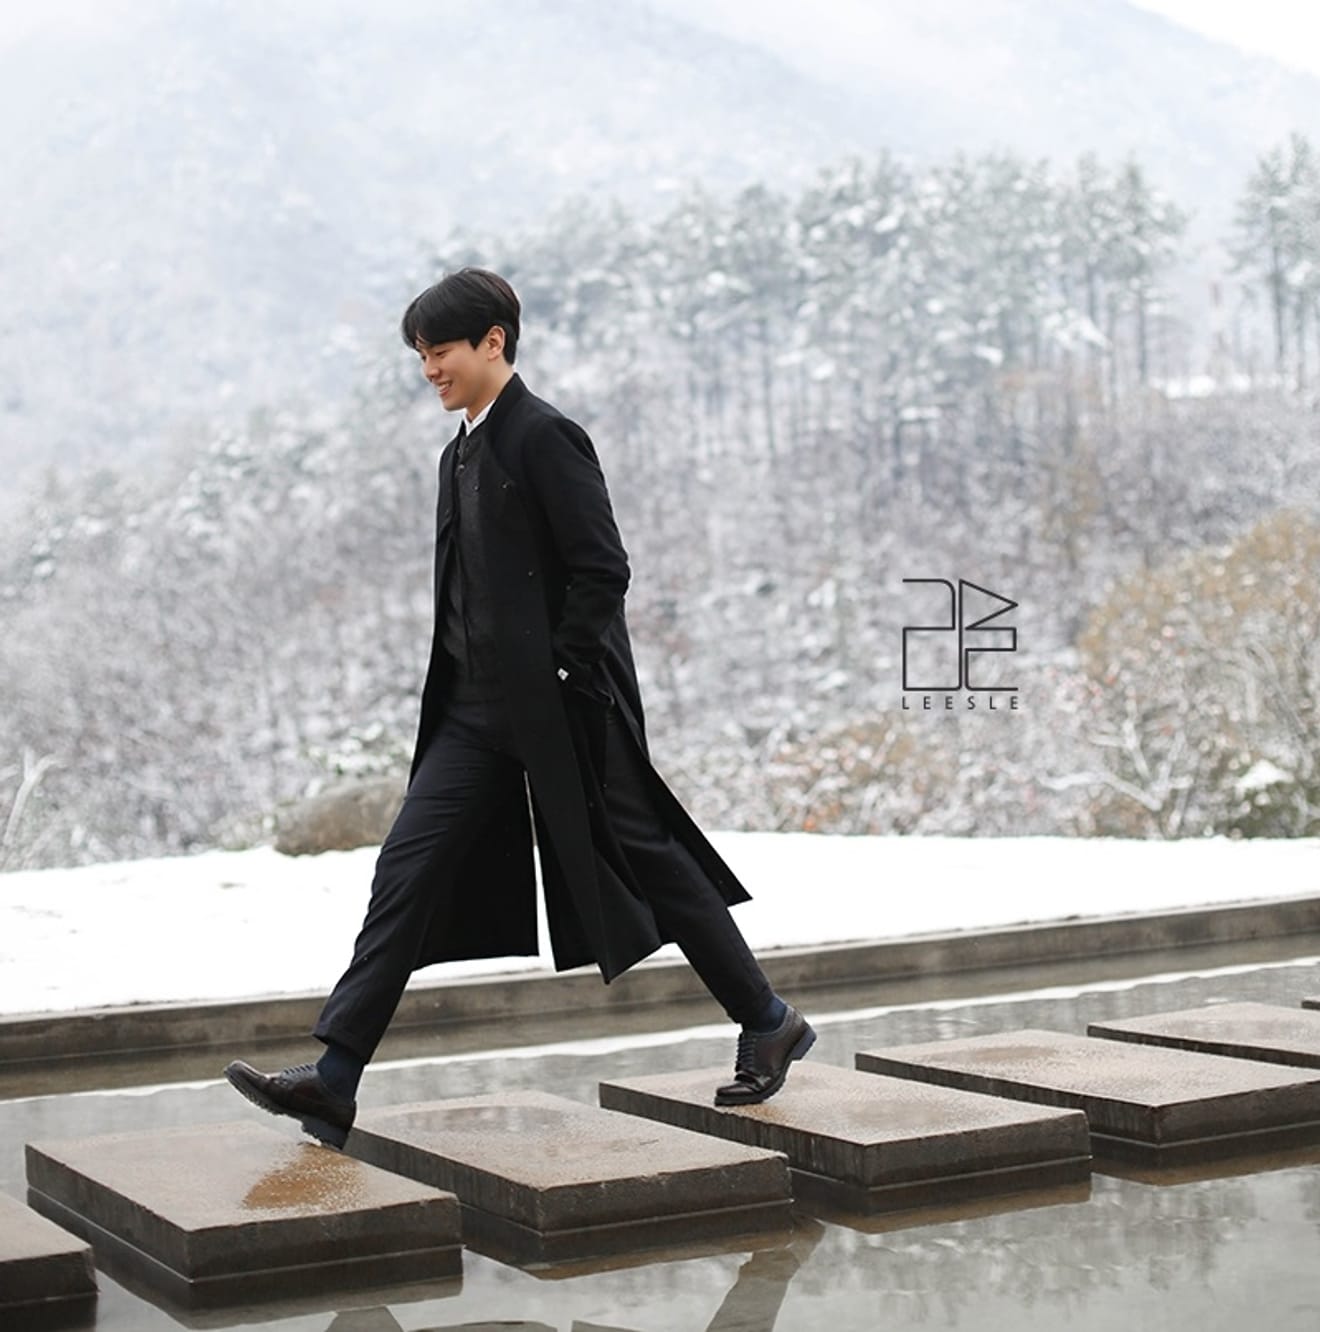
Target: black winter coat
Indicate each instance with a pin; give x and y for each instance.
(556, 571)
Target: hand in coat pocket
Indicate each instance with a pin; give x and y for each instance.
(580, 682)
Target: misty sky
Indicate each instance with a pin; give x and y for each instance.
(1285, 29)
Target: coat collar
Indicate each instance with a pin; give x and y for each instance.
(511, 393)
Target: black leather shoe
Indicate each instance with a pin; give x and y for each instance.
(763, 1059)
(298, 1092)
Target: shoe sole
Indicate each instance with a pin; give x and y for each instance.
(328, 1134)
(805, 1042)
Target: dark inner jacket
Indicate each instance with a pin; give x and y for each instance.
(467, 629)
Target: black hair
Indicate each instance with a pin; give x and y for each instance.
(464, 305)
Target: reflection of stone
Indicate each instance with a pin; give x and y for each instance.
(237, 1212)
(381, 1320)
(1075, 1264)
(1144, 1103)
(365, 1320)
(518, 1325)
(870, 1144)
(1071, 1259)
(543, 1179)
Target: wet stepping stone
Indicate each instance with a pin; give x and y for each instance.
(544, 1180)
(867, 1144)
(1144, 1103)
(220, 1213)
(45, 1272)
(1268, 1032)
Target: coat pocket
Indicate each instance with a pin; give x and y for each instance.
(509, 508)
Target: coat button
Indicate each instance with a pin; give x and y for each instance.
(531, 573)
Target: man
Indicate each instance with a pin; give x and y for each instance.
(531, 680)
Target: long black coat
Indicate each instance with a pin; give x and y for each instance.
(556, 572)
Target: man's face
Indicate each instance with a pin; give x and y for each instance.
(460, 372)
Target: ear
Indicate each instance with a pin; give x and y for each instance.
(494, 345)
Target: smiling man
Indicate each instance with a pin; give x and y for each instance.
(530, 715)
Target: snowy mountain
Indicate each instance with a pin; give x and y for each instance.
(830, 325)
(212, 207)
(1047, 77)
(216, 202)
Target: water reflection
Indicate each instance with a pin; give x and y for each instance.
(1054, 1260)
(382, 1320)
(307, 1180)
(756, 1297)
(1208, 1247)
(365, 1320)
(752, 1303)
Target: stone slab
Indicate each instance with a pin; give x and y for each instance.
(869, 1144)
(44, 1270)
(1144, 1103)
(219, 1213)
(1268, 1032)
(545, 1180)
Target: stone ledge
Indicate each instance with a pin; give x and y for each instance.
(546, 1180)
(227, 1213)
(491, 1001)
(46, 1273)
(867, 1144)
(1144, 1103)
(1266, 1032)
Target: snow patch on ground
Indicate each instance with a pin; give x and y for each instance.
(236, 924)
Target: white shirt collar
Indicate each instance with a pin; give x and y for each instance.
(470, 425)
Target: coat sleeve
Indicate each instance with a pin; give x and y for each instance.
(570, 489)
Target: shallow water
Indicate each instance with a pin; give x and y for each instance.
(1228, 1246)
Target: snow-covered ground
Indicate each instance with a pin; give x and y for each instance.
(233, 924)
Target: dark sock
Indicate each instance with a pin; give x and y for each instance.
(341, 1071)
(769, 1018)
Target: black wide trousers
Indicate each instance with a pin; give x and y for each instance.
(470, 766)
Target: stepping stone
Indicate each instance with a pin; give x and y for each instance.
(868, 1144)
(1267, 1032)
(1145, 1104)
(221, 1213)
(545, 1180)
(45, 1272)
